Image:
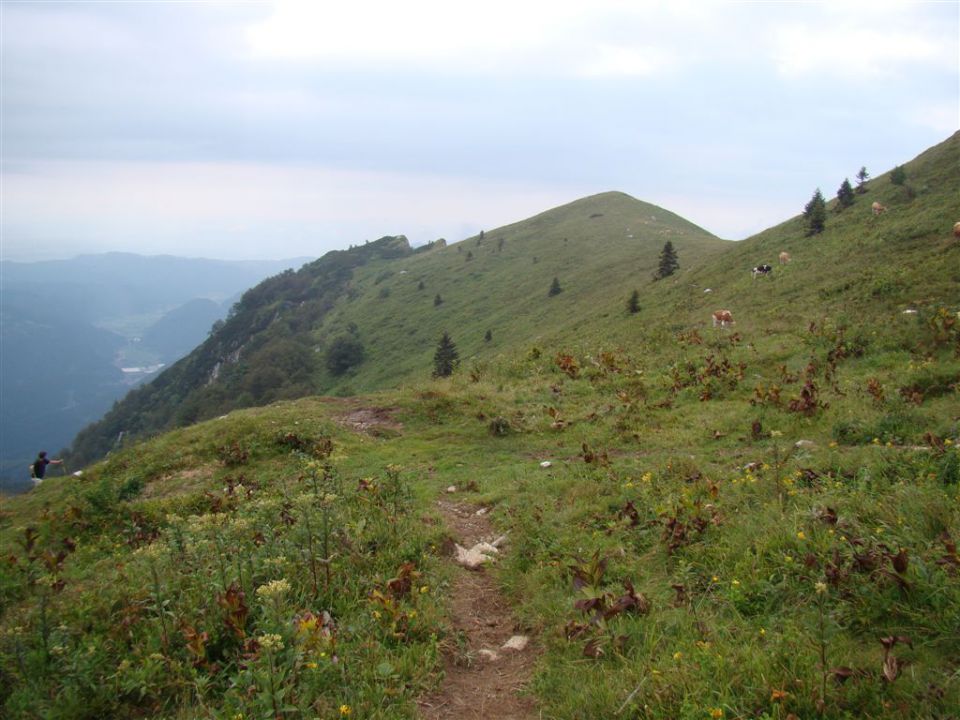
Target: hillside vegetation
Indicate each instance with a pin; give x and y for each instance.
(379, 309)
(757, 521)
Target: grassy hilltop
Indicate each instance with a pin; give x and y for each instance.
(751, 522)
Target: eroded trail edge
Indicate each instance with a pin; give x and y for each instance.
(484, 676)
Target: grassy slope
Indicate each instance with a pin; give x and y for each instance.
(600, 248)
(664, 503)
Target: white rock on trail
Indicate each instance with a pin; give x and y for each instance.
(517, 642)
(546, 464)
(452, 489)
(476, 556)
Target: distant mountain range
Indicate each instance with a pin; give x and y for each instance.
(70, 327)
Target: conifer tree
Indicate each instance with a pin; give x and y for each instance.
(845, 196)
(815, 213)
(446, 357)
(668, 261)
(633, 304)
(898, 176)
(488, 336)
(437, 300)
(555, 288)
(862, 178)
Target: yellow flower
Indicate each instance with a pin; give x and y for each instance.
(424, 589)
(801, 536)
(735, 583)
(716, 713)
(678, 656)
(311, 665)
(833, 443)
(778, 695)
(715, 579)
(763, 632)
(788, 558)
(345, 710)
(820, 587)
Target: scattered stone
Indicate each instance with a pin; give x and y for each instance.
(708, 290)
(452, 489)
(546, 464)
(476, 556)
(517, 642)
(481, 511)
(487, 654)
(909, 312)
(804, 443)
(78, 473)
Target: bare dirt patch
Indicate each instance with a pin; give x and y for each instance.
(178, 483)
(367, 420)
(482, 679)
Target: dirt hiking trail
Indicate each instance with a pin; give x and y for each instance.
(483, 679)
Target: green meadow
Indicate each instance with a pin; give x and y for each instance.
(754, 521)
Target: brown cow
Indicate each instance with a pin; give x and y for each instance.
(722, 318)
(784, 258)
(878, 209)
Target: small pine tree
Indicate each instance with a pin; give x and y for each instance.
(437, 300)
(469, 255)
(420, 285)
(500, 244)
(555, 288)
(668, 261)
(633, 303)
(898, 176)
(488, 336)
(446, 357)
(815, 213)
(862, 178)
(845, 196)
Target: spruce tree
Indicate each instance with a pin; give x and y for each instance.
(488, 336)
(668, 261)
(898, 176)
(862, 178)
(815, 213)
(437, 300)
(446, 357)
(845, 196)
(633, 304)
(555, 288)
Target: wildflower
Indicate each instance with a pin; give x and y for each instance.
(273, 590)
(735, 583)
(715, 579)
(876, 441)
(788, 558)
(762, 632)
(647, 476)
(716, 713)
(778, 695)
(270, 641)
(628, 485)
(311, 665)
(801, 536)
(424, 589)
(833, 443)
(678, 656)
(820, 587)
(345, 710)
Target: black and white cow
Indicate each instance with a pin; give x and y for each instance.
(761, 270)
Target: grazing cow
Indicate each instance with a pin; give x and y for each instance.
(877, 208)
(761, 270)
(784, 258)
(956, 230)
(722, 318)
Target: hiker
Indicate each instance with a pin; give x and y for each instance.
(39, 467)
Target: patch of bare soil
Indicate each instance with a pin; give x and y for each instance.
(367, 420)
(482, 679)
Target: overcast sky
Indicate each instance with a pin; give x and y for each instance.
(247, 130)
